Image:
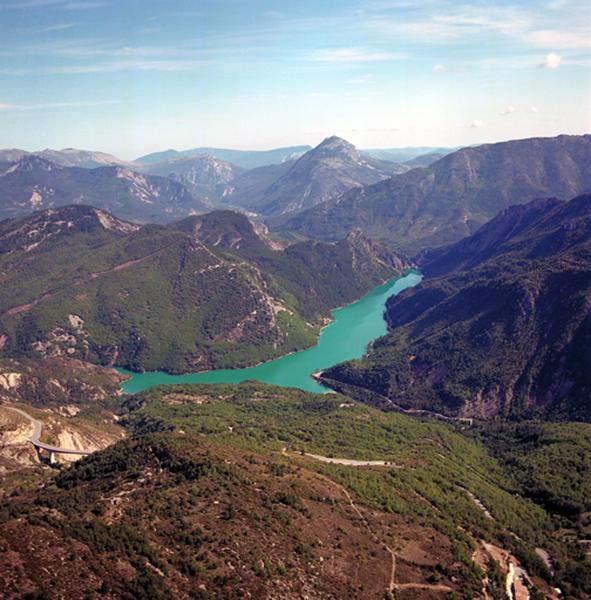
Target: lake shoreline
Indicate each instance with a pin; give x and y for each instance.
(364, 322)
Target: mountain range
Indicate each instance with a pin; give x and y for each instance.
(319, 175)
(67, 157)
(501, 326)
(280, 181)
(205, 292)
(245, 159)
(34, 183)
(181, 184)
(319, 193)
(406, 155)
(452, 197)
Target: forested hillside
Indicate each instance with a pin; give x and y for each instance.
(504, 330)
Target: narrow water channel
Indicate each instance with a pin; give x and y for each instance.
(345, 338)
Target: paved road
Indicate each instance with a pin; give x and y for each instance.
(396, 407)
(34, 439)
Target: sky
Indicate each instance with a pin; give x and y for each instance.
(135, 76)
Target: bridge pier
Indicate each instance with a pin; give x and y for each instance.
(47, 454)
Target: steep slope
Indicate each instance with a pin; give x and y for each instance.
(331, 168)
(56, 382)
(451, 198)
(79, 282)
(314, 274)
(537, 229)
(249, 187)
(11, 155)
(424, 160)
(211, 176)
(510, 336)
(246, 159)
(34, 183)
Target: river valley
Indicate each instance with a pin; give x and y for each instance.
(353, 327)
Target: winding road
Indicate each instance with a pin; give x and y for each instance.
(34, 438)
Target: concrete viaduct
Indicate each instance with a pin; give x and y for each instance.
(46, 452)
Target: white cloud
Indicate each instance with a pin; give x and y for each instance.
(454, 23)
(566, 26)
(476, 124)
(129, 65)
(83, 5)
(81, 104)
(362, 79)
(533, 109)
(353, 55)
(551, 61)
(557, 4)
(272, 14)
(14, 71)
(63, 4)
(509, 110)
(56, 27)
(555, 38)
(438, 68)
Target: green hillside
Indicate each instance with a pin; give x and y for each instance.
(80, 283)
(225, 485)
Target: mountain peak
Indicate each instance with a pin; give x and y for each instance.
(335, 147)
(331, 168)
(224, 229)
(336, 143)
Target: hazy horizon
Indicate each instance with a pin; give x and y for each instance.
(130, 77)
(288, 145)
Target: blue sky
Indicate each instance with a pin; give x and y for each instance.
(131, 76)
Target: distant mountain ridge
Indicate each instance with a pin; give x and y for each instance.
(246, 159)
(67, 157)
(210, 177)
(502, 327)
(34, 183)
(405, 154)
(452, 197)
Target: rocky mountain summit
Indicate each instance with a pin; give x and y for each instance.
(324, 172)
